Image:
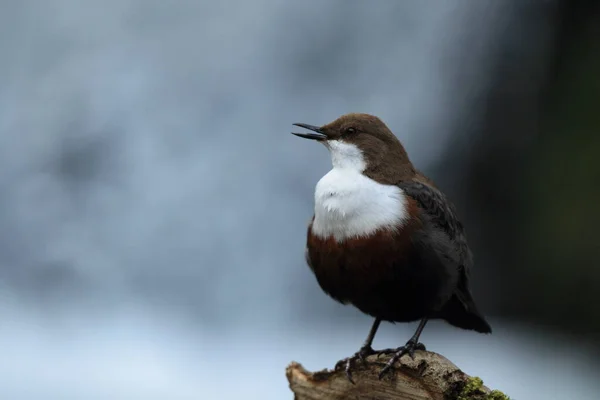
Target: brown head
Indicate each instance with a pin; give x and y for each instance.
(363, 142)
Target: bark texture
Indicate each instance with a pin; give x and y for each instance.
(429, 376)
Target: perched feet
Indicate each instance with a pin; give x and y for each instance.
(361, 355)
(409, 348)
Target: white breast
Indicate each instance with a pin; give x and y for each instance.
(349, 204)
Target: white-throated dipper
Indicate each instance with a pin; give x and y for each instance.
(384, 239)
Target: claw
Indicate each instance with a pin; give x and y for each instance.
(348, 372)
(361, 355)
(409, 348)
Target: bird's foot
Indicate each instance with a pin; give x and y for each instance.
(347, 363)
(409, 348)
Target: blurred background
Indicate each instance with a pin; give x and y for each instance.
(154, 205)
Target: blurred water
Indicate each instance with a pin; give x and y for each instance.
(144, 146)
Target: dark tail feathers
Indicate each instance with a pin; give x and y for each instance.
(464, 314)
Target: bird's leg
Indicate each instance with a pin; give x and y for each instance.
(409, 348)
(361, 354)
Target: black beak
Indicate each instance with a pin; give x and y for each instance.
(319, 135)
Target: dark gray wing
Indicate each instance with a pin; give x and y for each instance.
(443, 215)
(440, 211)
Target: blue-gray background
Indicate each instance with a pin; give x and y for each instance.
(153, 204)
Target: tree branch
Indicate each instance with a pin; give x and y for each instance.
(429, 376)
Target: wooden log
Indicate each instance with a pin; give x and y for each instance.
(429, 376)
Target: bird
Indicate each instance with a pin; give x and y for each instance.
(385, 239)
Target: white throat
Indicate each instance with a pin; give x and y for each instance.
(346, 155)
(349, 204)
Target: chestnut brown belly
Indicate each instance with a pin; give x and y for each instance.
(384, 275)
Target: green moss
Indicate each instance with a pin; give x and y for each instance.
(497, 395)
(471, 388)
(472, 391)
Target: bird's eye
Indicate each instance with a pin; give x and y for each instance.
(350, 130)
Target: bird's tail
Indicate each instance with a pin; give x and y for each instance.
(463, 313)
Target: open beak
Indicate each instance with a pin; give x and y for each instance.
(319, 135)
